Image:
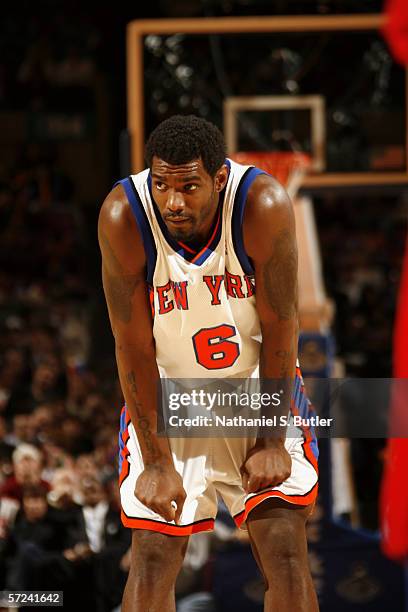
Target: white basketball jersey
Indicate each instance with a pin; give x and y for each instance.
(203, 304)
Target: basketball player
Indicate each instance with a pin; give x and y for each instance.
(200, 277)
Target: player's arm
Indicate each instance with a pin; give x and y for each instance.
(123, 275)
(270, 242)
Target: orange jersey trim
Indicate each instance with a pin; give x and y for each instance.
(167, 528)
(299, 500)
(207, 246)
(187, 248)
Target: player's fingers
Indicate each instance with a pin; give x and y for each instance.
(167, 511)
(161, 507)
(254, 484)
(141, 498)
(266, 483)
(242, 469)
(245, 479)
(171, 513)
(275, 481)
(278, 478)
(179, 509)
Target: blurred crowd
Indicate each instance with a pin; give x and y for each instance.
(63, 533)
(362, 240)
(59, 507)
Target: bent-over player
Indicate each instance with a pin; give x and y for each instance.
(200, 277)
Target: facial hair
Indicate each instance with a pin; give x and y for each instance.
(191, 234)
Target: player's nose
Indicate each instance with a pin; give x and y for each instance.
(175, 201)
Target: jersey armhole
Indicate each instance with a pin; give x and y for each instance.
(238, 216)
(143, 225)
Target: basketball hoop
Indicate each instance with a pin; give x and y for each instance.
(288, 168)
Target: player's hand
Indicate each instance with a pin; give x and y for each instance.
(160, 488)
(266, 466)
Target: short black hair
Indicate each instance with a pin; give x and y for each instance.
(182, 138)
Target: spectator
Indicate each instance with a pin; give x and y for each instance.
(64, 494)
(23, 430)
(97, 560)
(75, 438)
(85, 466)
(27, 466)
(44, 423)
(47, 384)
(56, 458)
(95, 510)
(33, 536)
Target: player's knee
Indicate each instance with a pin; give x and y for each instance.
(157, 561)
(283, 546)
(151, 566)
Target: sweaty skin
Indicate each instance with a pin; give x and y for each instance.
(187, 198)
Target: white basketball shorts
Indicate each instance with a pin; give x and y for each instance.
(211, 466)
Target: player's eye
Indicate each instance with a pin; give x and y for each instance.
(190, 187)
(160, 186)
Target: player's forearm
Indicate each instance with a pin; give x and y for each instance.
(279, 349)
(139, 378)
(277, 367)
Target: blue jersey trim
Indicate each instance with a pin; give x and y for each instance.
(144, 226)
(305, 410)
(238, 216)
(121, 442)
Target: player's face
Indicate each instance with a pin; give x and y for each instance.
(187, 197)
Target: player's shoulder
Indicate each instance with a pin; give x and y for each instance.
(268, 210)
(266, 191)
(116, 210)
(117, 224)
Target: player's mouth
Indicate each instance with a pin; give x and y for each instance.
(177, 220)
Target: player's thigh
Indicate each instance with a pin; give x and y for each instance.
(156, 553)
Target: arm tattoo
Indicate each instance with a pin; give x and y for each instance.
(142, 424)
(119, 292)
(280, 277)
(285, 359)
(119, 287)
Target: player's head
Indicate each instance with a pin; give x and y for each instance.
(181, 139)
(186, 156)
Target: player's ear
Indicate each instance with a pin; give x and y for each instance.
(221, 178)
